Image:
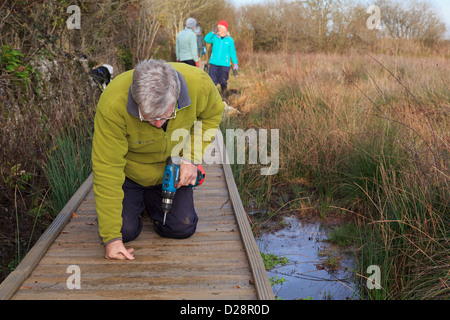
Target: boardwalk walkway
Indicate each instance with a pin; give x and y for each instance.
(220, 261)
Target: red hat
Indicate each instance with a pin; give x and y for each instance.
(223, 23)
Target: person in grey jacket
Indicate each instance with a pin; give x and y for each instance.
(186, 45)
(200, 41)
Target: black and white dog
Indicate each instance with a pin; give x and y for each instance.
(102, 75)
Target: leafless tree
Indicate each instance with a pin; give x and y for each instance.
(175, 12)
(416, 20)
(320, 13)
(143, 26)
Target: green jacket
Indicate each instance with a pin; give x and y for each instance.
(123, 146)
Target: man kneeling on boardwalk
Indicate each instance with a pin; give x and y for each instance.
(135, 118)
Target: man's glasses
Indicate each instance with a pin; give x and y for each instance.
(174, 114)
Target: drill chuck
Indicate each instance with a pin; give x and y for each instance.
(166, 204)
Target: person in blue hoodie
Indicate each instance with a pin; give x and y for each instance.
(223, 54)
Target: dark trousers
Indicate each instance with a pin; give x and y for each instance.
(181, 221)
(189, 62)
(219, 75)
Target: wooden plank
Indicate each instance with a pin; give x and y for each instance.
(127, 283)
(10, 285)
(44, 272)
(150, 294)
(262, 284)
(144, 237)
(211, 206)
(143, 256)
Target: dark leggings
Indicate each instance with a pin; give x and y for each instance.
(219, 75)
(181, 221)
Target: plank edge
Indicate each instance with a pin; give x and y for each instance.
(262, 284)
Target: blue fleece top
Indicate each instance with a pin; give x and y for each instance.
(223, 50)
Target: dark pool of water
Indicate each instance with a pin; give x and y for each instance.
(317, 269)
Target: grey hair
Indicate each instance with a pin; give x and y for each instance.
(155, 87)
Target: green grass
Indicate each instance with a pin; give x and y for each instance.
(344, 235)
(271, 260)
(68, 165)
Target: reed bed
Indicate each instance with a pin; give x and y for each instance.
(364, 138)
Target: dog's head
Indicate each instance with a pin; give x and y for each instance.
(102, 75)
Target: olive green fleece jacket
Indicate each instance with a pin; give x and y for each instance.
(124, 146)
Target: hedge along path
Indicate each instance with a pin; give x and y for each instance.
(220, 261)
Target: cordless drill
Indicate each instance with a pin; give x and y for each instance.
(170, 182)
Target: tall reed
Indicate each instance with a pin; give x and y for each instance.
(68, 164)
(366, 138)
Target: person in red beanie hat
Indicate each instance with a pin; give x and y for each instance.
(223, 23)
(223, 54)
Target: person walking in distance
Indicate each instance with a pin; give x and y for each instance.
(223, 54)
(200, 41)
(186, 44)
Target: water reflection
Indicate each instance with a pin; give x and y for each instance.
(316, 270)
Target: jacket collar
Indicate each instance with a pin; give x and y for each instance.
(183, 99)
(226, 36)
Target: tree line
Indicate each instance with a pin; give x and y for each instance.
(132, 30)
(317, 25)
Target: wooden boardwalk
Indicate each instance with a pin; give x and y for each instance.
(220, 261)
